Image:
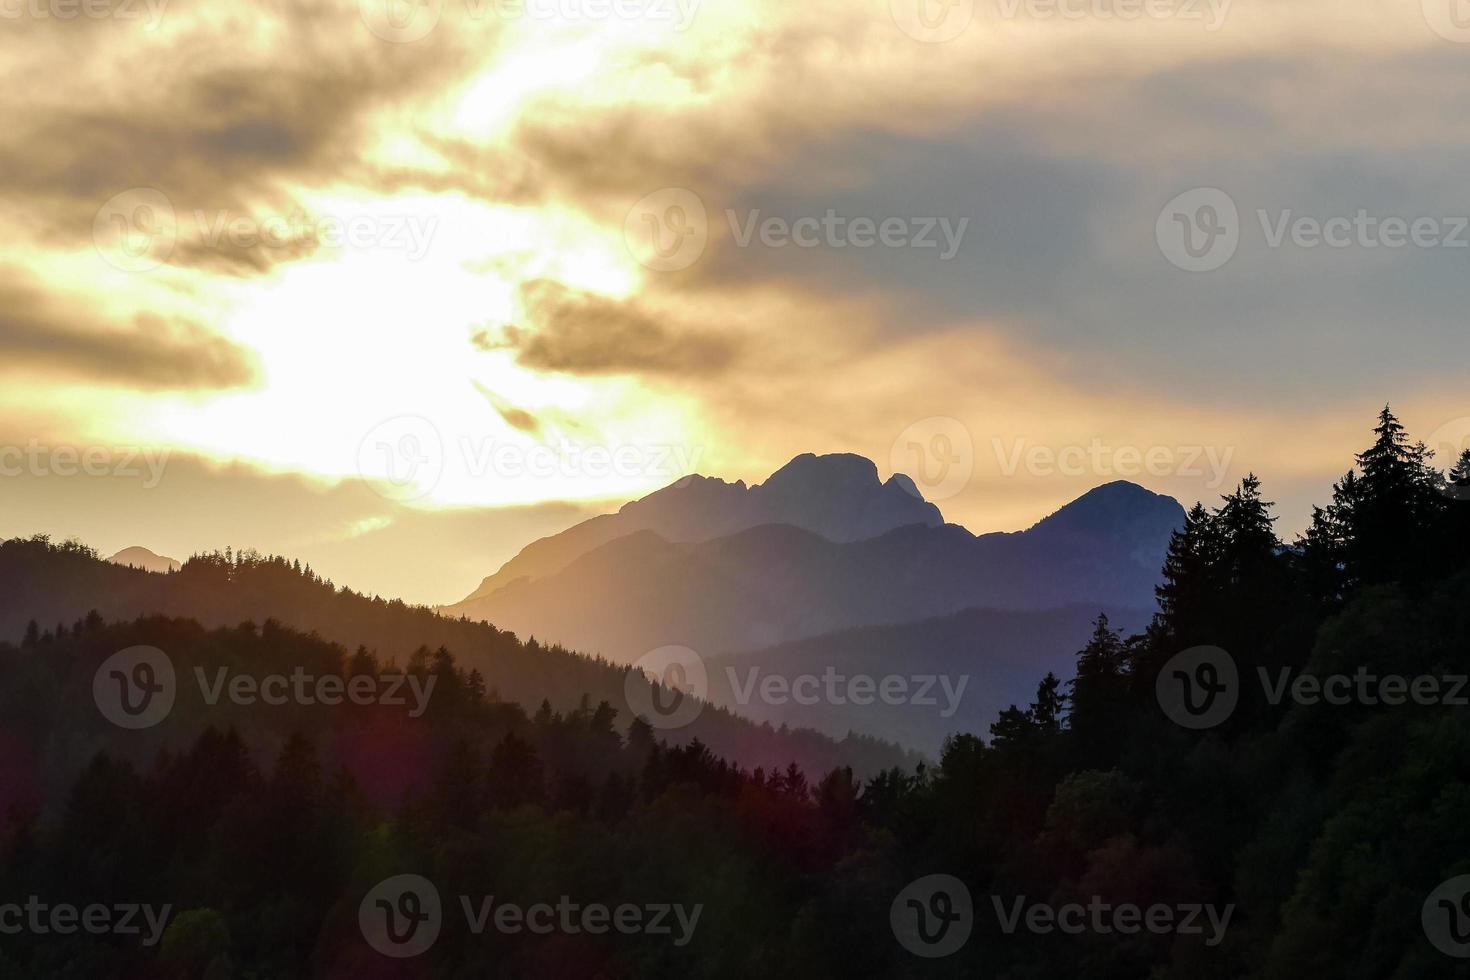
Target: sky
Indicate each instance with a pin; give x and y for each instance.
(396, 287)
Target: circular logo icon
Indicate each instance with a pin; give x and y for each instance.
(932, 21)
(1450, 19)
(1199, 688)
(402, 458)
(1451, 445)
(937, 453)
(933, 916)
(136, 230)
(135, 688)
(1199, 230)
(667, 687)
(1446, 917)
(401, 21)
(402, 916)
(667, 230)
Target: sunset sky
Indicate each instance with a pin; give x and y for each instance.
(397, 287)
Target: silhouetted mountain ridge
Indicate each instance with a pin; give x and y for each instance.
(777, 582)
(838, 496)
(137, 557)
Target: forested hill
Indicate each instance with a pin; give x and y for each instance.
(56, 585)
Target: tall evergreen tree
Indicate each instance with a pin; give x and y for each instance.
(1248, 543)
(1100, 694)
(1186, 592)
(1321, 557)
(1457, 481)
(1390, 509)
(1017, 728)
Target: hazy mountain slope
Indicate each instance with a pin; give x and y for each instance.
(985, 660)
(837, 496)
(143, 558)
(59, 585)
(777, 583)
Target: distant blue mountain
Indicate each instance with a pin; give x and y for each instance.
(837, 496)
(722, 568)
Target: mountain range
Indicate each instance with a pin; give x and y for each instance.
(822, 546)
(837, 496)
(823, 569)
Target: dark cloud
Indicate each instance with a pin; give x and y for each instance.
(267, 242)
(218, 125)
(585, 333)
(1062, 195)
(150, 353)
(516, 418)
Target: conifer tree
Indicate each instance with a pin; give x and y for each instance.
(1390, 508)
(1186, 591)
(1248, 543)
(1322, 551)
(1100, 692)
(1046, 712)
(1458, 480)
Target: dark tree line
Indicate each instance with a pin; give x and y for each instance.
(42, 582)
